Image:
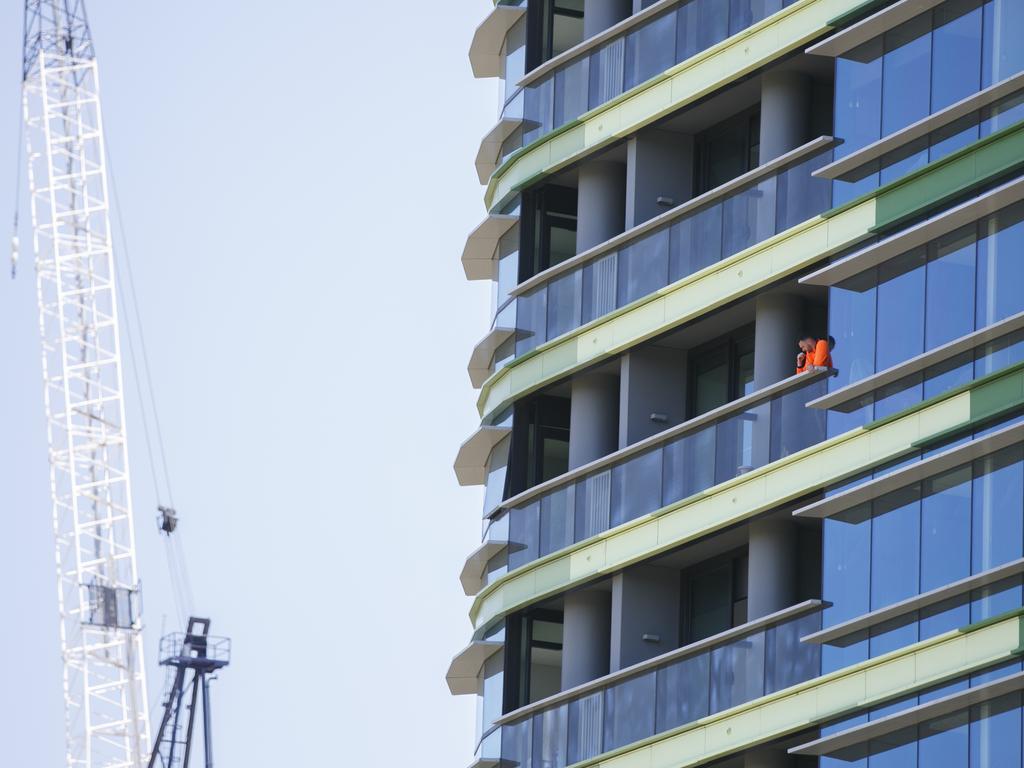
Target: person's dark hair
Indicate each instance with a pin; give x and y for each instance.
(831, 342)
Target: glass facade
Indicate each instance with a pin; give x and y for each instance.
(930, 534)
(645, 51)
(938, 530)
(984, 735)
(681, 467)
(934, 294)
(672, 694)
(920, 67)
(658, 258)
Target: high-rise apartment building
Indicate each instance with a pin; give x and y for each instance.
(693, 554)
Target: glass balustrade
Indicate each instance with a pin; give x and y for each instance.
(685, 463)
(646, 50)
(657, 258)
(684, 688)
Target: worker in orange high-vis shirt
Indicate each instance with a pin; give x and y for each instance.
(814, 353)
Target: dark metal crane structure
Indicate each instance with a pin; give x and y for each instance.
(194, 656)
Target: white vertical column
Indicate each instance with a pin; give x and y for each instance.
(585, 637)
(659, 173)
(785, 112)
(777, 326)
(593, 418)
(652, 392)
(772, 558)
(601, 203)
(645, 614)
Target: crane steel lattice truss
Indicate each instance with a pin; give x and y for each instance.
(106, 713)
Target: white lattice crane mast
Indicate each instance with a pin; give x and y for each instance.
(106, 713)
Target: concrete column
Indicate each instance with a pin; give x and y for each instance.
(645, 614)
(659, 166)
(785, 112)
(593, 418)
(652, 392)
(598, 15)
(767, 757)
(585, 637)
(771, 567)
(601, 203)
(778, 321)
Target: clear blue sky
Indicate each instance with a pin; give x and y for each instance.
(297, 183)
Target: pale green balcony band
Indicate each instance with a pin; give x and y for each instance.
(683, 84)
(748, 495)
(865, 685)
(755, 267)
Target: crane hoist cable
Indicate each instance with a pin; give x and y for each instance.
(146, 393)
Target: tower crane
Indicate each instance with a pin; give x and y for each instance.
(106, 716)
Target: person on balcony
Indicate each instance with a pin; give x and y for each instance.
(814, 354)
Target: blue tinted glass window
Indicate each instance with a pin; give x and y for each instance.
(900, 168)
(905, 74)
(858, 108)
(895, 547)
(900, 332)
(1002, 54)
(1000, 268)
(995, 600)
(956, 60)
(1000, 354)
(944, 742)
(893, 399)
(1005, 114)
(998, 509)
(851, 320)
(956, 136)
(950, 294)
(995, 733)
(945, 529)
(945, 377)
(846, 565)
